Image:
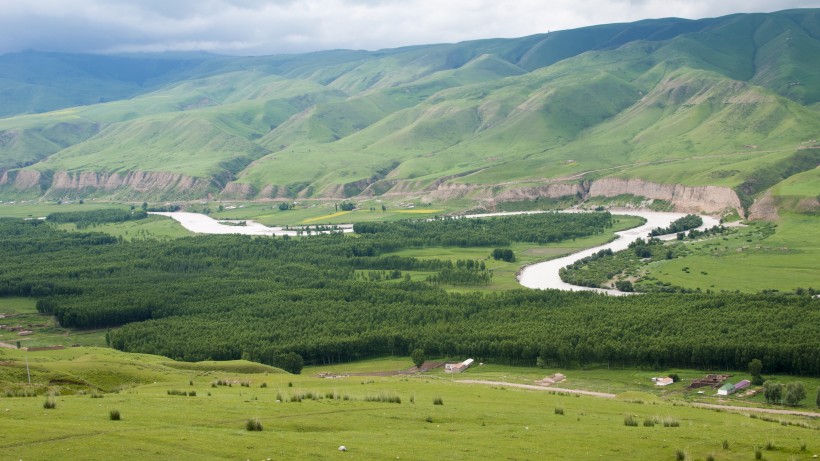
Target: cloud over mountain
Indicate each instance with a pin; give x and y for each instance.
(282, 26)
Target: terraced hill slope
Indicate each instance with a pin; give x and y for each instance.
(695, 113)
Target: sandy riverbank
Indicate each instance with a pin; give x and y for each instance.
(203, 224)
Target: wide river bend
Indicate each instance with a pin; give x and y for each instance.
(542, 275)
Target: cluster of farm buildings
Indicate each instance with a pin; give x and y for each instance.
(714, 381)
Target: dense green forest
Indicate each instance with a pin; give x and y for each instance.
(84, 219)
(225, 297)
(480, 232)
(690, 221)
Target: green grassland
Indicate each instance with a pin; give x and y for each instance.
(38, 209)
(498, 421)
(152, 227)
(47, 332)
(785, 260)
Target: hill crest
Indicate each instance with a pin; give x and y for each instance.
(666, 102)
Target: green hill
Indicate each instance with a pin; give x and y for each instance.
(657, 108)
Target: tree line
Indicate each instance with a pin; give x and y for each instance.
(84, 219)
(495, 231)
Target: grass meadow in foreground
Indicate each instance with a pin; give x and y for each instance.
(168, 413)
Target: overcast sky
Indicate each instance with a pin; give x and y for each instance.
(257, 27)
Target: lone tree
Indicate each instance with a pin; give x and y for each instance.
(755, 369)
(418, 357)
(290, 362)
(773, 392)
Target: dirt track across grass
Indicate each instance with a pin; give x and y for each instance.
(537, 388)
(610, 396)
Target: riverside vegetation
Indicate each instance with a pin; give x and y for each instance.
(284, 301)
(306, 301)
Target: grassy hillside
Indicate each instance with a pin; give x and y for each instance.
(33, 82)
(309, 417)
(671, 101)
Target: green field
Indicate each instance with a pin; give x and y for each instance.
(498, 421)
(152, 227)
(785, 260)
(47, 332)
(38, 209)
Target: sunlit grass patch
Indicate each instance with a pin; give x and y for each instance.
(325, 217)
(417, 211)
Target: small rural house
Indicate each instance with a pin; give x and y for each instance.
(663, 381)
(726, 389)
(458, 367)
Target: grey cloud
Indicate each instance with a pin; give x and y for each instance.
(266, 27)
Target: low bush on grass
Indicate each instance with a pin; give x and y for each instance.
(182, 393)
(630, 420)
(385, 397)
(438, 401)
(50, 404)
(114, 415)
(20, 393)
(253, 425)
(671, 422)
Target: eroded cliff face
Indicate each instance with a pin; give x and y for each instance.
(764, 207)
(548, 190)
(700, 199)
(688, 199)
(238, 191)
(21, 180)
(135, 183)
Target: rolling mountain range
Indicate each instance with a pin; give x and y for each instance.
(707, 115)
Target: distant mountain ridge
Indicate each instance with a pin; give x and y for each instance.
(659, 107)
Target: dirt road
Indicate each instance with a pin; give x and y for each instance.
(536, 388)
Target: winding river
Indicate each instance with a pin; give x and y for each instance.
(545, 274)
(542, 275)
